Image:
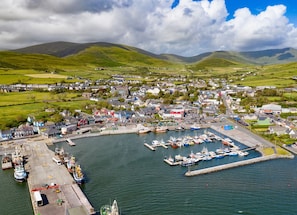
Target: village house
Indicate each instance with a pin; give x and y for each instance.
(174, 113)
(278, 130)
(271, 109)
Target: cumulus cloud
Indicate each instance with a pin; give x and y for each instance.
(187, 28)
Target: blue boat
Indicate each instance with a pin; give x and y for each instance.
(194, 127)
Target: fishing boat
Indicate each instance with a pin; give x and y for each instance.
(20, 174)
(194, 127)
(174, 145)
(144, 131)
(227, 142)
(161, 129)
(78, 174)
(179, 128)
(71, 164)
(110, 209)
(17, 157)
(6, 162)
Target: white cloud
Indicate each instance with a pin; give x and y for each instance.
(252, 32)
(190, 28)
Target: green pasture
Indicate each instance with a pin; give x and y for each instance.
(30, 97)
(279, 75)
(31, 76)
(16, 107)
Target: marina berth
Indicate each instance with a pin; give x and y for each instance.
(150, 147)
(170, 161)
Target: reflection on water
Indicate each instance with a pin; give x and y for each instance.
(120, 167)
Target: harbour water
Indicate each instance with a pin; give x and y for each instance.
(120, 167)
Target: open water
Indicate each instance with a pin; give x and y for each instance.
(120, 167)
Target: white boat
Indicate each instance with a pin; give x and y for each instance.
(161, 129)
(110, 209)
(178, 157)
(241, 153)
(20, 173)
(71, 164)
(232, 153)
(195, 127)
(144, 131)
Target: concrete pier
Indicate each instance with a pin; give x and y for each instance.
(150, 147)
(59, 191)
(232, 165)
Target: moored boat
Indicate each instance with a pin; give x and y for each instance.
(194, 127)
(17, 157)
(160, 129)
(6, 162)
(71, 164)
(179, 128)
(174, 145)
(78, 175)
(110, 209)
(20, 173)
(144, 131)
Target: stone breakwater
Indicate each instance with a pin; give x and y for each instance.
(233, 165)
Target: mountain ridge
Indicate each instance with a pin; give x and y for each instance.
(62, 49)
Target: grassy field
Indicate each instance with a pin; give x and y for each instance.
(273, 75)
(17, 106)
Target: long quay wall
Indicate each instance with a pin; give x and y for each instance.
(43, 171)
(233, 165)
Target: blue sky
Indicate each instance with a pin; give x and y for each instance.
(183, 27)
(257, 6)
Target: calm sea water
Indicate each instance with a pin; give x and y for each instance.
(120, 167)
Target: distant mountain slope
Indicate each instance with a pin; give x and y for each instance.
(99, 53)
(62, 49)
(272, 56)
(111, 54)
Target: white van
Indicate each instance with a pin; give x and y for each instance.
(38, 198)
(57, 160)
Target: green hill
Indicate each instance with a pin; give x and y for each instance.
(109, 54)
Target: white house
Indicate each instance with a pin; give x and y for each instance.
(271, 109)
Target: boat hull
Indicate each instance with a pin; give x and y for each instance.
(78, 175)
(6, 162)
(20, 175)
